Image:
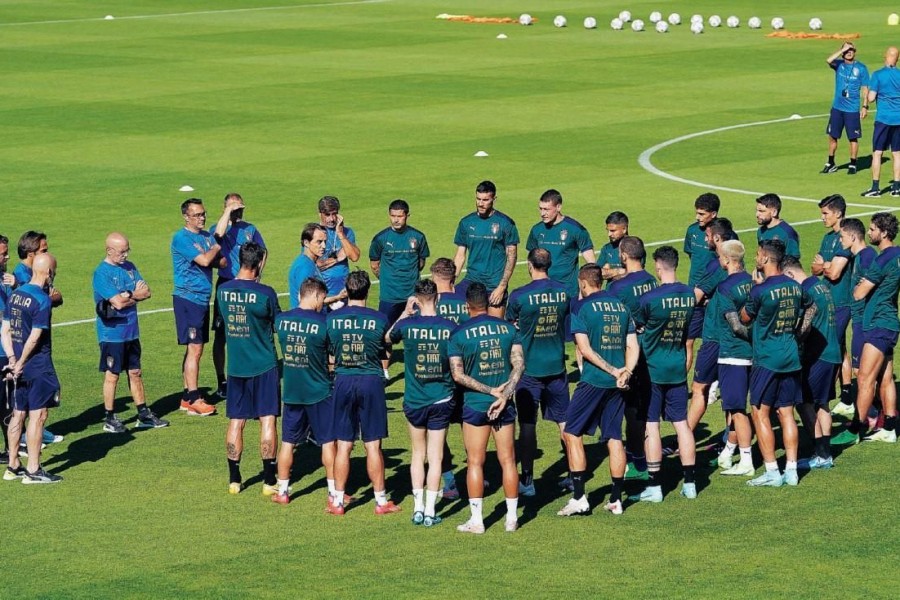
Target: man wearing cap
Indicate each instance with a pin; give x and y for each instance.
(851, 82)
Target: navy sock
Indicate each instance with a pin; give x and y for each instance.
(234, 471)
(617, 484)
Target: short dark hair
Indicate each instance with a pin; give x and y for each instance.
(834, 202)
(477, 296)
(444, 267)
(592, 274)
(553, 196)
(187, 203)
(399, 205)
(231, 195)
(770, 201)
(251, 255)
(358, 284)
(30, 242)
(539, 259)
(886, 223)
(486, 187)
(4, 239)
(632, 247)
(708, 202)
(774, 249)
(426, 287)
(854, 226)
(666, 255)
(309, 231)
(721, 227)
(312, 286)
(617, 218)
(329, 204)
(790, 262)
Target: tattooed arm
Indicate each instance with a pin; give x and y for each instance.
(738, 328)
(806, 322)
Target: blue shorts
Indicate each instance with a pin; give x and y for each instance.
(734, 385)
(116, 357)
(885, 136)
(360, 408)
(669, 400)
(463, 285)
(777, 390)
(433, 417)
(550, 393)
(253, 397)
(856, 342)
(38, 392)
(695, 328)
(479, 418)
(191, 321)
(840, 120)
(392, 310)
(592, 407)
(883, 339)
(298, 419)
(706, 365)
(818, 382)
(637, 396)
(841, 321)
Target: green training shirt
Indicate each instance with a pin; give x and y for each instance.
(486, 240)
(565, 241)
(540, 310)
(829, 250)
(484, 344)
(881, 308)
(248, 310)
(822, 342)
(606, 322)
(696, 247)
(356, 340)
(776, 306)
(302, 335)
(730, 296)
(452, 305)
(400, 253)
(664, 315)
(426, 360)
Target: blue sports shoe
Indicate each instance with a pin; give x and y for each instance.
(816, 462)
(791, 477)
(767, 479)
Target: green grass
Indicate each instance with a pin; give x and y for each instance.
(103, 121)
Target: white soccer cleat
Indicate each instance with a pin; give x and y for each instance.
(740, 470)
(575, 507)
(882, 435)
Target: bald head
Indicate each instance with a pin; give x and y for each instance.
(890, 56)
(43, 266)
(117, 248)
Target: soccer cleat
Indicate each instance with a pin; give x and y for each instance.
(148, 420)
(843, 410)
(882, 435)
(767, 479)
(633, 474)
(816, 462)
(450, 493)
(845, 438)
(851, 170)
(418, 517)
(222, 390)
(50, 438)
(200, 408)
(269, 490)
(235, 488)
(281, 498)
(791, 477)
(725, 460)
(11, 474)
(689, 490)
(114, 425)
(567, 485)
(511, 526)
(431, 521)
(871, 193)
(184, 405)
(40, 476)
(334, 509)
(470, 526)
(740, 470)
(651, 494)
(575, 507)
(527, 490)
(895, 193)
(387, 508)
(828, 168)
(614, 507)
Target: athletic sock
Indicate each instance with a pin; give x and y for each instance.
(512, 504)
(192, 396)
(430, 501)
(688, 473)
(283, 485)
(853, 161)
(875, 185)
(890, 423)
(790, 465)
(855, 426)
(449, 481)
(771, 467)
(831, 160)
(234, 471)
(527, 477)
(330, 483)
(640, 462)
(142, 410)
(825, 449)
(578, 484)
(110, 414)
(617, 484)
(381, 498)
(653, 477)
(337, 498)
(418, 500)
(269, 470)
(475, 508)
(746, 456)
(730, 448)
(845, 394)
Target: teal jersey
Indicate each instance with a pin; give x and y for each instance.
(783, 232)
(776, 306)
(730, 296)
(356, 340)
(302, 335)
(486, 239)
(606, 322)
(861, 263)
(631, 287)
(400, 254)
(609, 255)
(822, 341)
(829, 250)
(881, 307)
(696, 247)
(484, 344)
(452, 305)
(426, 360)
(709, 280)
(248, 309)
(565, 241)
(539, 310)
(664, 316)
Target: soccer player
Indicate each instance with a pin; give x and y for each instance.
(491, 240)
(820, 361)
(564, 238)
(851, 82)
(231, 232)
(248, 309)
(312, 239)
(832, 264)
(735, 357)
(194, 254)
(884, 88)
(696, 246)
(775, 307)
(539, 311)
(340, 247)
(31, 244)
(664, 316)
(25, 335)
(118, 287)
(880, 284)
(605, 335)
(609, 259)
(486, 358)
(428, 398)
(6, 282)
(773, 227)
(356, 341)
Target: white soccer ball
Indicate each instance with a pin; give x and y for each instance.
(625, 16)
(696, 19)
(662, 26)
(777, 23)
(697, 27)
(815, 23)
(591, 23)
(715, 21)
(616, 23)
(655, 16)
(525, 19)
(733, 22)
(674, 19)
(560, 21)
(637, 25)
(754, 22)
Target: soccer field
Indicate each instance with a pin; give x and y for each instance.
(285, 101)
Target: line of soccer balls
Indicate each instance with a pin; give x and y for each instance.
(662, 25)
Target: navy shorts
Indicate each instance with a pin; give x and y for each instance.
(695, 328)
(777, 390)
(856, 342)
(457, 402)
(360, 408)
(592, 407)
(479, 418)
(433, 417)
(840, 120)
(463, 285)
(191, 321)
(885, 136)
(883, 339)
(38, 392)
(841, 321)
(818, 382)
(669, 400)
(637, 396)
(550, 393)
(734, 385)
(253, 397)
(706, 366)
(391, 310)
(218, 323)
(298, 419)
(116, 357)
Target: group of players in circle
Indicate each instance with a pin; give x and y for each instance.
(477, 354)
